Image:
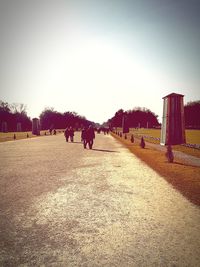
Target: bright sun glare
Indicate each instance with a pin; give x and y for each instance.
(103, 63)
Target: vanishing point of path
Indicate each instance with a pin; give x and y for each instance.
(61, 205)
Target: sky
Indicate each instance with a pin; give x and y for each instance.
(95, 57)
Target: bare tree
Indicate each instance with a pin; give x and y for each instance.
(18, 108)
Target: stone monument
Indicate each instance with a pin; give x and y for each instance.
(173, 122)
(35, 126)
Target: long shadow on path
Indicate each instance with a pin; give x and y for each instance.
(105, 150)
(75, 142)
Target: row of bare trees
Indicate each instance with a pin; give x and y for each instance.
(49, 119)
(137, 117)
(14, 114)
(192, 115)
(145, 118)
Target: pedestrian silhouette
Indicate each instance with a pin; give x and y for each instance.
(66, 133)
(88, 136)
(71, 134)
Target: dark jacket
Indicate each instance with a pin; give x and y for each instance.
(90, 135)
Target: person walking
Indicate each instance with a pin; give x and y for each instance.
(89, 137)
(84, 136)
(71, 134)
(66, 133)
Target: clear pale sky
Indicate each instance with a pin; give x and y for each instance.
(95, 57)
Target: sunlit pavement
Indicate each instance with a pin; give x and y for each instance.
(62, 205)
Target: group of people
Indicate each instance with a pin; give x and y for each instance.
(87, 136)
(52, 131)
(103, 129)
(69, 133)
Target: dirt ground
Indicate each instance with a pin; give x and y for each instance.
(183, 174)
(62, 205)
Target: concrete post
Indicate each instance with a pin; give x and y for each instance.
(125, 128)
(19, 127)
(4, 127)
(35, 126)
(173, 123)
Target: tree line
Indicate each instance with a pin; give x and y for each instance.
(192, 115)
(13, 114)
(137, 117)
(51, 119)
(145, 118)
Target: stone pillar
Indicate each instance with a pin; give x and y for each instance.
(19, 127)
(125, 128)
(173, 122)
(4, 127)
(35, 126)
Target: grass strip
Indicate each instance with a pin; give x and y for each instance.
(192, 136)
(4, 137)
(183, 177)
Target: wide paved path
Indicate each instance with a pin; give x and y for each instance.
(61, 205)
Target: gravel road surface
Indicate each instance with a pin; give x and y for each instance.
(61, 205)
